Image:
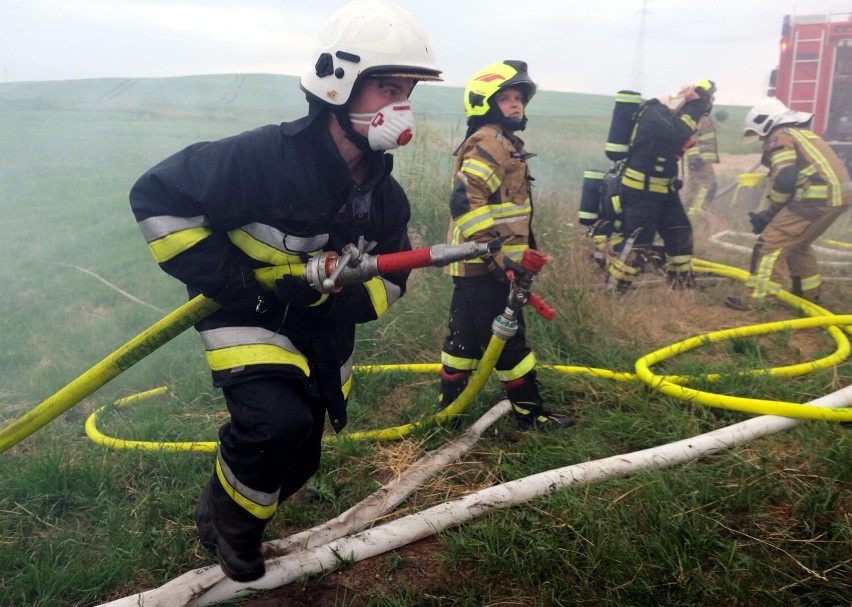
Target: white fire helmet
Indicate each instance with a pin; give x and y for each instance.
(367, 38)
(768, 114)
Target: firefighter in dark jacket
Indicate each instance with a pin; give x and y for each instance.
(280, 194)
(649, 190)
(809, 189)
(492, 198)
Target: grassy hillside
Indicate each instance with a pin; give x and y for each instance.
(764, 524)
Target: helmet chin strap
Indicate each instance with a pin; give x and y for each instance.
(514, 124)
(345, 123)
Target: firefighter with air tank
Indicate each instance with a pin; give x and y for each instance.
(649, 189)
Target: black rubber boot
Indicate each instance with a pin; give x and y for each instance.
(530, 414)
(203, 520)
(237, 534)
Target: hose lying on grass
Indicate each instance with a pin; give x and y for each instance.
(209, 586)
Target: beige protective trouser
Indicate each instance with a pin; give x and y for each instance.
(788, 238)
(700, 188)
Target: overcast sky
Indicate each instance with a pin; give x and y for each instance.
(591, 46)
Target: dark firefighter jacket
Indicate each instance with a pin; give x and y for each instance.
(656, 145)
(275, 195)
(491, 196)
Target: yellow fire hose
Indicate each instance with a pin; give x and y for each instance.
(161, 332)
(191, 312)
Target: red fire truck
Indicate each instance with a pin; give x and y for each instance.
(814, 74)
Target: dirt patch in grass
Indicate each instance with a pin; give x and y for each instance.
(417, 567)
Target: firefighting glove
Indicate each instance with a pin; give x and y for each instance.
(294, 291)
(500, 274)
(759, 221)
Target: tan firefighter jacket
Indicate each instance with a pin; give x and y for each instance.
(706, 148)
(820, 176)
(491, 197)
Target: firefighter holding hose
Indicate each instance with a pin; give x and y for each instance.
(492, 199)
(216, 211)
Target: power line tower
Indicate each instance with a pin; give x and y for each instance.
(637, 76)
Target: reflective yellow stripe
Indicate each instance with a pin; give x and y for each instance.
(823, 165)
(230, 347)
(623, 97)
(262, 505)
(811, 282)
(346, 388)
(621, 270)
(622, 148)
(475, 221)
(688, 121)
(260, 250)
(474, 167)
(679, 263)
(510, 209)
(636, 180)
(778, 197)
(519, 370)
(783, 157)
(812, 191)
(762, 284)
(254, 354)
(172, 245)
(616, 204)
(587, 215)
(515, 252)
(456, 362)
(377, 289)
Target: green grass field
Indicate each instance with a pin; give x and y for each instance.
(767, 523)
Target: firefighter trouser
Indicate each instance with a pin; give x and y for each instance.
(700, 188)
(784, 248)
(476, 301)
(271, 446)
(604, 235)
(644, 217)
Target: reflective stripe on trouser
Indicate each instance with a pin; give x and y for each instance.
(476, 302)
(645, 217)
(678, 263)
(700, 188)
(784, 248)
(235, 347)
(271, 445)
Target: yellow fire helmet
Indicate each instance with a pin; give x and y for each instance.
(707, 85)
(487, 81)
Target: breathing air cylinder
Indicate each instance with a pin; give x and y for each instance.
(591, 196)
(621, 127)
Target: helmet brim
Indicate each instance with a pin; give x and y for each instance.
(404, 73)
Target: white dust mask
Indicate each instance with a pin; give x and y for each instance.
(390, 127)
